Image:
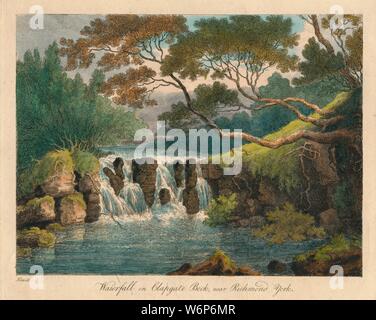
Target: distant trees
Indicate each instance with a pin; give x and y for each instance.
(54, 111)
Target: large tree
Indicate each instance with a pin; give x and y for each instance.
(149, 52)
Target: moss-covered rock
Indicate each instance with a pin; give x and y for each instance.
(37, 211)
(55, 227)
(72, 209)
(23, 252)
(218, 264)
(35, 237)
(56, 168)
(339, 251)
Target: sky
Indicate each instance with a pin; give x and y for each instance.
(69, 26)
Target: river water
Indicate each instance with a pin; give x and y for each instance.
(130, 238)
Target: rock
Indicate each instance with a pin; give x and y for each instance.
(59, 184)
(212, 171)
(35, 237)
(145, 175)
(116, 182)
(38, 211)
(90, 188)
(118, 167)
(190, 194)
(72, 209)
(217, 264)
(243, 223)
(256, 221)
(93, 208)
(350, 261)
(190, 175)
(270, 195)
(191, 201)
(329, 221)
(164, 196)
(179, 170)
(276, 266)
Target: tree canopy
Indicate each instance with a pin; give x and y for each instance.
(145, 53)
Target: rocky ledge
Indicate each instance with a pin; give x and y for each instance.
(217, 265)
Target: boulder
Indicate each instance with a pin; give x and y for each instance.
(164, 196)
(72, 209)
(179, 169)
(116, 182)
(191, 201)
(190, 176)
(256, 221)
(329, 221)
(90, 188)
(350, 261)
(218, 264)
(145, 175)
(118, 167)
(37, 211)
(59, 184)
(35, 237)
(276, 266)
(212, 171)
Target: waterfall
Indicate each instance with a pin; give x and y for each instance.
(131, 201)
(203, 189)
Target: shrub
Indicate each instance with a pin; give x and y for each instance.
(221, 209)
(287, 224)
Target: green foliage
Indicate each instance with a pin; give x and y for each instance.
(255, 39)
(55, 111)
(84, 162)
(76, 197)
(287, 224)
(343, 200)
(281, 164)
(318, 63)
(221, 209)
(53, 162)
(338, 245)
(209, 100)
(267, 120)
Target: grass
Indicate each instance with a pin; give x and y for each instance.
(76, 198)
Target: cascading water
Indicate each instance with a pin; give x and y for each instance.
(131, 201)
(203, 190)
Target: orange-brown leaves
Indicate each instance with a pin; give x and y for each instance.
(124, 40)
(130, 87)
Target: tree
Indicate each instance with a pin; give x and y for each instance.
(159, 50)
(54, 111)
(340, 55)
